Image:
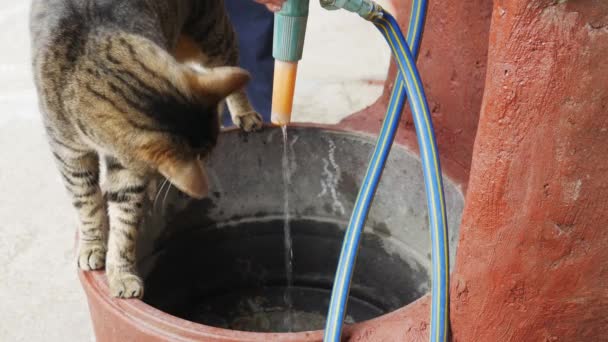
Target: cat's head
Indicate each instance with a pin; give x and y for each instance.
(188, 127)
(150, 110)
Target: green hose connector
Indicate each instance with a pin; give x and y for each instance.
(290, 30)
(367, 9)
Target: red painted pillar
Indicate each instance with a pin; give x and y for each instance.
(532, 263)
(452, 64)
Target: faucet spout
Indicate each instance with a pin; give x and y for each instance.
(287, 46)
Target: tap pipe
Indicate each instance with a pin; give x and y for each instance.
(287, 46)
(367, 9)
(408, 82)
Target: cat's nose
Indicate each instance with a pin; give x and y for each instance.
(204, 152)
(204, 156)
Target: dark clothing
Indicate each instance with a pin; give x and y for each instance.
(254, 24)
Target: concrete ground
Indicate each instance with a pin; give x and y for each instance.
(40, 294)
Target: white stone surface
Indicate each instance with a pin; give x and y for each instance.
(343, 56)
(40, 295)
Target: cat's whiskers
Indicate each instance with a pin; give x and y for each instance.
(166, 193)
(158, 193)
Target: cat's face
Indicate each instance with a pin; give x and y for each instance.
(191, 128)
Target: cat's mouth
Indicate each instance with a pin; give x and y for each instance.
(204, 156)
(204, 152)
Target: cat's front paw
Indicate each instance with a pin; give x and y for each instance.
(125, 285)
(91, 256)
(249, 122)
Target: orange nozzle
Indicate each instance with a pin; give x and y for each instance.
(283, 87)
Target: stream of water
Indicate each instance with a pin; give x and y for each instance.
(287, 232)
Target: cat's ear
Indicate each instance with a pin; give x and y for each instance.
(189, 177)
(220, 82)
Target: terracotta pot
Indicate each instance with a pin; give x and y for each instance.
(134, 320)
(190, 250)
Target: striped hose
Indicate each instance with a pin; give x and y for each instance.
(407, 82)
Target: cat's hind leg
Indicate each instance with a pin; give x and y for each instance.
(125, 192)
(80, 172)
(211, 42)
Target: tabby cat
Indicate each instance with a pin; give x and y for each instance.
(116, 85)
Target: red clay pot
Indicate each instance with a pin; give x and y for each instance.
(133, 320)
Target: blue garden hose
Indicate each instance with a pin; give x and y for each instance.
(407, 82)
